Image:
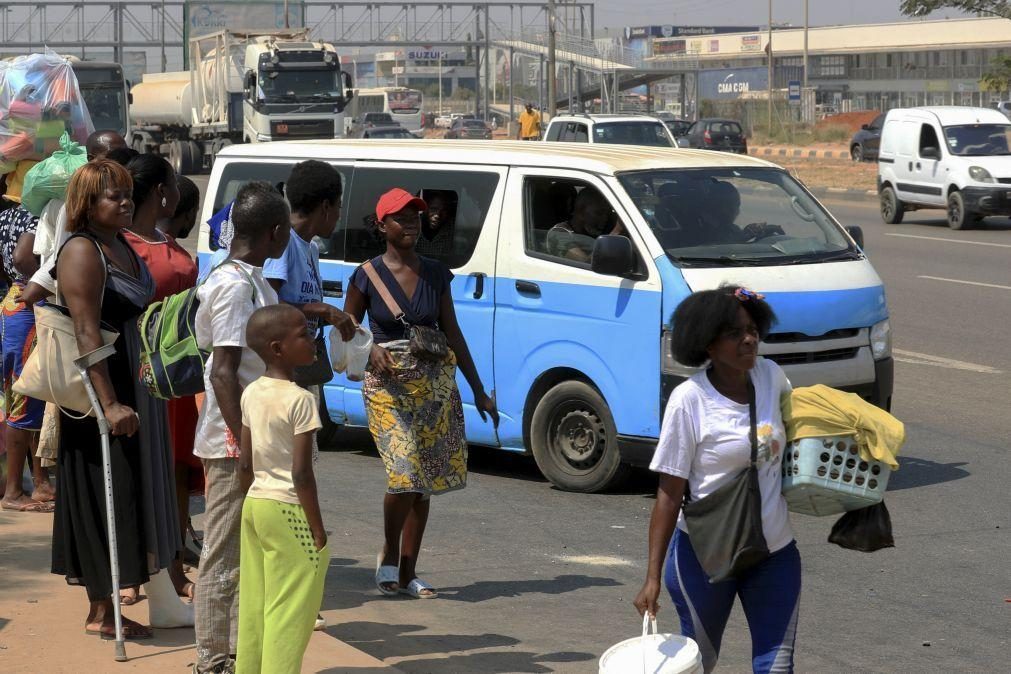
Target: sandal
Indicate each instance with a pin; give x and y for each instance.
(187, 591)
(419, 589)
(128, 600)
(132, 631)
(386, 575)
(39, 507)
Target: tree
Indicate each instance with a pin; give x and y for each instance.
(1001, 8)
(998, 78)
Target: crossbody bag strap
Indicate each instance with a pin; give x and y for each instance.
(383, 291)
(105, 270)
(753, 430)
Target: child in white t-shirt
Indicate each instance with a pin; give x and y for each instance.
(284, 554)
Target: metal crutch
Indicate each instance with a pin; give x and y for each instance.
(83, 363)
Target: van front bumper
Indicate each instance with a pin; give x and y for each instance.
(994, 200)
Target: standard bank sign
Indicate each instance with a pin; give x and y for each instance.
(732, 83)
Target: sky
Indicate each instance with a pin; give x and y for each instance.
(620, 13)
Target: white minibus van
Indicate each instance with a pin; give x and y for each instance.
(578, 352)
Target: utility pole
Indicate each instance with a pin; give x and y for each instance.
(552, 84)
(770, 68)
(805, 42)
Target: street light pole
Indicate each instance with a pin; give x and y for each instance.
(552, 84)
(440, 81)
(770, 69)
(805, 42)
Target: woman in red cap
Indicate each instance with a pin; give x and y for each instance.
(413, 404)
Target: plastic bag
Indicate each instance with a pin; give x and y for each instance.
(866, 530)
(40, 100)
(49, 178)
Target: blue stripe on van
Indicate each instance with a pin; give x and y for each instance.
(819, 312)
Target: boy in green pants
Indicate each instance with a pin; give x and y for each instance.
(284, 555)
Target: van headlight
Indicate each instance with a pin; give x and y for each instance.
(980, 174)
(669, 365)
(881, 340)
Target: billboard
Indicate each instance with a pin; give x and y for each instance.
(667, 46)
(731, 83)
(751, 43)
(667, 30)
(202, 18)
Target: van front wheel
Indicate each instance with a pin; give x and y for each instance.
(892, 209)
(574, 439)
(957, 217)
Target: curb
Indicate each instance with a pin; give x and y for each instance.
(798, 153)
(829, 192)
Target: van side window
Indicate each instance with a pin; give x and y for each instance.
(237, 174)
(574, 132)
(555, 130)
(928, 138)
(563, 217)
(458, 206)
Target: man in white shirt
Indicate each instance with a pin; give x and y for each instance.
(228, 298)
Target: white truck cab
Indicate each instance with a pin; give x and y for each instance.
(955, 158)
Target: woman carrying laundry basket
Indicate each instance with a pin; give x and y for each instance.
(720, 520)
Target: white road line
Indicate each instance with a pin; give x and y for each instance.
(968, 283)
(916, 358)
(946, 240)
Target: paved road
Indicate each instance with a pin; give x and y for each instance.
(537, 580)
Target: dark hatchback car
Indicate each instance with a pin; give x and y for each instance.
(678, 127)
(725, 135)
(469, 128)
(866, 142)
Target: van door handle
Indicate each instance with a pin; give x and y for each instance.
(917, 166)
(528, 288)
(910, 166)
(333, 289)
(479, 287)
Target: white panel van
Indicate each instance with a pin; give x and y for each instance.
(579, 352)
(955, 158)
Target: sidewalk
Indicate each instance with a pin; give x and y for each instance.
(42, 620)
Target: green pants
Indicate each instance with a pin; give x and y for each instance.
(280, 585)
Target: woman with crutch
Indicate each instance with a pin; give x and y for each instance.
(101, 280)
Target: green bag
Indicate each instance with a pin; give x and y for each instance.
(50, 177)
(171, 361)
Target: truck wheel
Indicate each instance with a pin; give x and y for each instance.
(957, 217)
(857, 153)
(176, 156)
(574, 439)
(892, 209)
(191, 161)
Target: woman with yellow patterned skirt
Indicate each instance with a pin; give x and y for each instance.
(413, 404)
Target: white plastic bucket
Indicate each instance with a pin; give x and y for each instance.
(652, 654)
(357, 352)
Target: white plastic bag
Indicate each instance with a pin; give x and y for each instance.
(351, 357)
(652, 654)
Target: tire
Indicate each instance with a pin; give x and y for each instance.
(326, 436)
(857, 152)
(574, 439)
(176, 156)
(892, 209)
(957, 217)
(192, 161)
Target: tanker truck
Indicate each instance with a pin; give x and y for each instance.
(243, 87)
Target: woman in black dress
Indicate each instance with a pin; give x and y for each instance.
(101, 279)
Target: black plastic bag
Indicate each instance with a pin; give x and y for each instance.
(866, 530)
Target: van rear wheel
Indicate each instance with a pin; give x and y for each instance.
(574, 439)
(892, 209)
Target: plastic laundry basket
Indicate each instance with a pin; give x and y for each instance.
(652, 654)
(826, 476)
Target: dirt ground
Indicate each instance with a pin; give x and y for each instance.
(840, 173)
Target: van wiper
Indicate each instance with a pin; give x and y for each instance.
(720, 261)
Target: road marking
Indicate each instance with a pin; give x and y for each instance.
(946, 240)
(916, 358)
(594, 560)
(968, 283)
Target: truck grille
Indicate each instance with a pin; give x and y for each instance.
(813, 356)
(302, 128)
(783, 337)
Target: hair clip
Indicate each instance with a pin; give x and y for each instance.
(743, 295)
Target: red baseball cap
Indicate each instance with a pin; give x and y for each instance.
(397, 200)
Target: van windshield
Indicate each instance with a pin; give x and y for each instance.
(736, 217)
(978, 140)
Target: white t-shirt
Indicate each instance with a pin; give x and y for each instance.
(275, 411)
(50, 235)
(705, 439)
(226, 303)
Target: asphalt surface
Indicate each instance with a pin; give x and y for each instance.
(533, 579)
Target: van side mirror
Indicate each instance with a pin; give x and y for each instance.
(250, 84)
(857, 234)
(930, 153)
(613, 256)
(349, 91)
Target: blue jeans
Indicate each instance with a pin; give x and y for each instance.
(770, 596)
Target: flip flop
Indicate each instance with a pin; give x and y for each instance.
(419, 589)
(38, 507)
(386, 574)
(130, 601)
(187, 591)
(320, 623)
(127, 635)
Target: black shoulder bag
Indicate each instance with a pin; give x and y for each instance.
(424, 342)
(726, 527)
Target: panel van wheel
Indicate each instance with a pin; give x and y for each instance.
(892, 209)
(574, 439)
(957, 217)
(857, 152)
